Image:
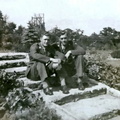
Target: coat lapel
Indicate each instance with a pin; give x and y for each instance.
(41, 49)
(60, 47)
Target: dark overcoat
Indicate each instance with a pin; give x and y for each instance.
(74, 63)
(74, 47)
(38, 55)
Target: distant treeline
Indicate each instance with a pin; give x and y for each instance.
(20, 38)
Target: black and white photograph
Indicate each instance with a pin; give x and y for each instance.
(59, 59)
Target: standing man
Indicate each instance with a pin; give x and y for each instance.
(72, 58)
(43, 63)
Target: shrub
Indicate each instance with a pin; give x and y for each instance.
(27, 105)
(7, 82)
(99, 70)
(116, 54)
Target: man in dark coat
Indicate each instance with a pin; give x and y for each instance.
(72, 58)
(44, 61)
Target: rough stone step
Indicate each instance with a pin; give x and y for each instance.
(29, 83)
(13, 56)
(74, 94)
(18, 70)
(13, 63)
(13, 60)
(79, 96)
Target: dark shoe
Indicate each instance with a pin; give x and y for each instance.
(47, 91)
(80, 86)
(65, 89)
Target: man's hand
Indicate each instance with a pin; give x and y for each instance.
(57, 60)
(68, 54)
(55, 65)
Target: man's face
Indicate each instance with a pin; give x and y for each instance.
(63, 39)
(45, 40)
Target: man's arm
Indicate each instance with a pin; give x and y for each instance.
(40, 57)
(59, 55)
(78, 50)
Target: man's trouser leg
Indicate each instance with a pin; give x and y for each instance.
(62, 76)
(79, 65)
(41, 68)
(79, 71)
(42, 73)
(59, 71)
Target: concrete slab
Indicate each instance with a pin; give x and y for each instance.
(13, 61)
(90, 107)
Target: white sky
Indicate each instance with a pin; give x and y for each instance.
(88, 15)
